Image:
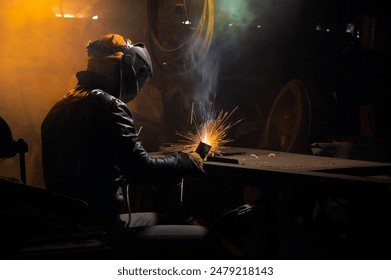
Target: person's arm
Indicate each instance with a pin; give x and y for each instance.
(135, 162)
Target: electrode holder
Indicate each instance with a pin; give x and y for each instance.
(203, 149)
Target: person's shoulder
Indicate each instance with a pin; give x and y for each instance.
(104, 96)
(101, 94)
(108, 98)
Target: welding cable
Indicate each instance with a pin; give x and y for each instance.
(206, 16)
(214, 228)
(203, 33)
(230, 216)
(217, 223)
(152, 15)
(127, 224)
(206, 41)
(159, 52)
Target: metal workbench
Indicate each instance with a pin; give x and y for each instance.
(365, 183)
(317, 173)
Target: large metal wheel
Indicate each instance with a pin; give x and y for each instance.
(289, 122)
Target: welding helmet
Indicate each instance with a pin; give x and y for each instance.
(128, 65)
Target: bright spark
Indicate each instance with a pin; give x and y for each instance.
(211, 131)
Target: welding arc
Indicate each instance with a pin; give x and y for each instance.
(178, 59)
(214, 130)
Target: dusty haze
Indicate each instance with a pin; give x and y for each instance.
(39, 55)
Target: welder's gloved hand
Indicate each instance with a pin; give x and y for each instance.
(197, 163)
(197, 160)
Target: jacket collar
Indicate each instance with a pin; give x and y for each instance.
(93, 80)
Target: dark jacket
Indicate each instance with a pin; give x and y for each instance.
(90, 146)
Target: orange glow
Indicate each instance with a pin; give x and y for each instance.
(20, 12)
(75, 9)
(39, 56)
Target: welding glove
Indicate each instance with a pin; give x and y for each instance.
(197, 163)
(197, 160)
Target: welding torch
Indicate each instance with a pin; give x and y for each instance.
(203, 149)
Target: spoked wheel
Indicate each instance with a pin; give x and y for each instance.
(289, 122)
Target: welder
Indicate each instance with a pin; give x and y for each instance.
(90, 145)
